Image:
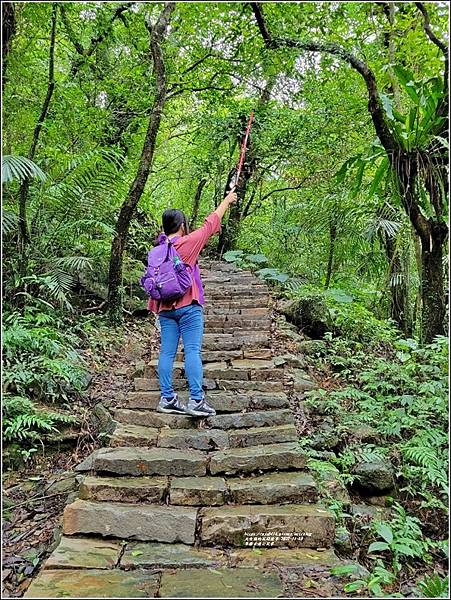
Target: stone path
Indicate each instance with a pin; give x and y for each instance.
(175, 506)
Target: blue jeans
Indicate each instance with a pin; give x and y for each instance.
(188, 322)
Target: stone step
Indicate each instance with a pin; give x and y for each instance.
(133, 435)
(262, 312)
(221, 401)
(146, 522)
(262, 418)
(151, 418)
(150, 461)
(143, 384)
(221, 582)
(237, 322)
(198, 491)
(257, 436)
(258, 458)
(273, 488)
(199, 439)
(93, 583)
(124, 489)
(151, 555)
(292, 525)
(228, 341)
(217, 371)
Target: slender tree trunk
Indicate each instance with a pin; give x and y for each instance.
(8, 31)
(397, 281)
(196, 204)
(330, 259)
(157, 34)
(25, 185)
(433, 297)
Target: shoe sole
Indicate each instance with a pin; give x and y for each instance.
(170, 411)
(197, 413)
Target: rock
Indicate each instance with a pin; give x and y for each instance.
(146, 522)
(267, 558)
(366, 434)
(145, 555)
(324, 438)
(313, 347)
(93, 583)
(199, 439)
(274, 488)
(371, 512)
(374, 477)
(301, 380)
(246, 460)
(232, 583)
(343, 540)
(255, 436)
(264, 354)
(103, 419)
(310, 314)
(87, 463)
(133, 435)
(264, 418)
(123, 489)
(150, 461)
(235, 402)
(64, 485)
(84, 553)
(290, 360)
(149, 418)
(294, 525)
(198, 491)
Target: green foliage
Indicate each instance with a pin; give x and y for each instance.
(434, 586)
(24, 422)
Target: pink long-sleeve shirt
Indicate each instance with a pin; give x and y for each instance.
(189, 247)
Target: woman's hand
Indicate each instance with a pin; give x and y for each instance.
(231, 197)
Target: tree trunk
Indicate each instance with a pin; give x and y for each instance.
(330, 260)
(8, 31)
(157, 34)
(25, 185)
(196, 204)
(397, 281)
(433, 297)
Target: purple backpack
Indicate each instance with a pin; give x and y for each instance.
(167, 277)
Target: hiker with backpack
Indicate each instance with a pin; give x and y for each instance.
(172, 281)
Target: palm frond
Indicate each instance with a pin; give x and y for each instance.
(19, 168)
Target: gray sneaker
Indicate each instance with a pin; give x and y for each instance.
(171, 406)
(200, 408)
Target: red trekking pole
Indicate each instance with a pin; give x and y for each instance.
(234, 181)
(244, 148)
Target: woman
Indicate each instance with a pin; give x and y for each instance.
(184, 316)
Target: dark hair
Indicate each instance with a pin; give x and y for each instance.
(173, 219)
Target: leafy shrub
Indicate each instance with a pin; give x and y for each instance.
(40, 361)
(23, 421)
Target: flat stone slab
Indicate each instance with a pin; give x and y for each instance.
(134, 435)
(274, 488)
(93, 583)
(293, 525)
(150, 418)
(199, 439)
(255, 386)
(150, 461)
(264, 418)
(123, 489)
(254, 458)
(198, 491)
(220, 583)
(297, 557)
(147, 555)
(84, 553)
(148, 400)
(236, 402)
(255, 436)
(149, 522)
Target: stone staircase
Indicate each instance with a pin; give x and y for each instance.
(173, 492)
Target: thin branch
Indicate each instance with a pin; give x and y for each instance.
(427, 28)
(374, 103)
